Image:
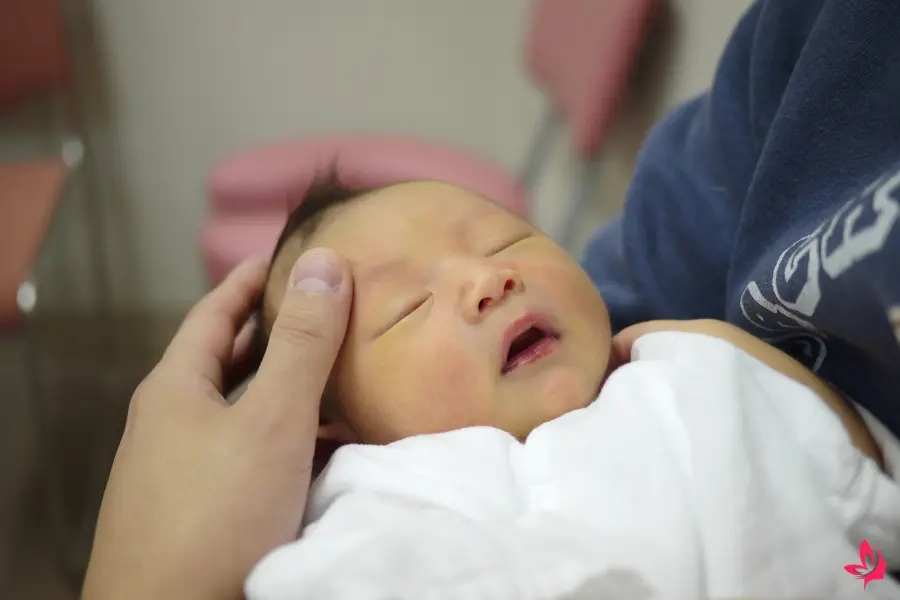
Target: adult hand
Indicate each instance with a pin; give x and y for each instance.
(765, 353)
(625, 339)
(199, 490)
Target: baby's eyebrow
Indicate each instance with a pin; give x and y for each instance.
(364, 273)
(462, 227)
(391, 270)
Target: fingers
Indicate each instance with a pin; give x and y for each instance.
(623, 342)
(625, 339)
(204, 344)
(304, 343)
(245, 358)
(243, 343)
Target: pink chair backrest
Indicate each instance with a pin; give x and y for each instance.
(581, 53)
(33, 56)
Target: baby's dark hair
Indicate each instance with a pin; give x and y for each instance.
(325, 193)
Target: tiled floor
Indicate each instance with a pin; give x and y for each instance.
(64, 391)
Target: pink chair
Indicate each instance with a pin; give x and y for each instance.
(580, 52)
(34, 64)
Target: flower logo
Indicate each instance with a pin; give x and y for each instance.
(871, 565)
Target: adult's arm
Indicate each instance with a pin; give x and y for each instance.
(200, 490)
(668, 255)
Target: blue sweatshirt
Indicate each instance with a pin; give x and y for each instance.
(773, 201)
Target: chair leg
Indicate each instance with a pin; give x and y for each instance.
(538, 151)
(20, 462)
(50, 493)
(80, 165)
(582, 197)
(70, 558)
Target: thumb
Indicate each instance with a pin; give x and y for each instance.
(305, 340)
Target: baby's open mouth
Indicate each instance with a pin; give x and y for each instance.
(526, 341)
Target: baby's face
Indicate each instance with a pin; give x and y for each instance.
(463, 314)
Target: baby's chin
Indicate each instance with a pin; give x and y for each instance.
(559, 394)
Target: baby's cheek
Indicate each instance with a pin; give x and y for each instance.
(563, 275)
(453, 389)
(570, 285)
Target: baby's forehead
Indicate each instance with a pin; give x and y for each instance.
(397, 219)
(434, 207)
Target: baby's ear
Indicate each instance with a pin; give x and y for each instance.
(333, 433)
(337, 431)
(332, 425)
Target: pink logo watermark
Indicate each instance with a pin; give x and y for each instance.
(871, 565)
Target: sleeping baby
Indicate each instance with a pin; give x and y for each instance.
(497, 442)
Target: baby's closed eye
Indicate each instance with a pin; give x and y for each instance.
(412, 307)
(508, 243)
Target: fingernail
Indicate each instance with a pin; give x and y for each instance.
(317, 270)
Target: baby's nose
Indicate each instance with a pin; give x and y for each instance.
(490, 286)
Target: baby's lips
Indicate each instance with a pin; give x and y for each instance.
(518, 327)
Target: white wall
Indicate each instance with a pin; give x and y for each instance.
(173, 85)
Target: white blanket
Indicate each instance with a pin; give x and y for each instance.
(697, 473)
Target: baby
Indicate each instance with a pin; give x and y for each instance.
(467, 321)
(464, 314)
(456, 301)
